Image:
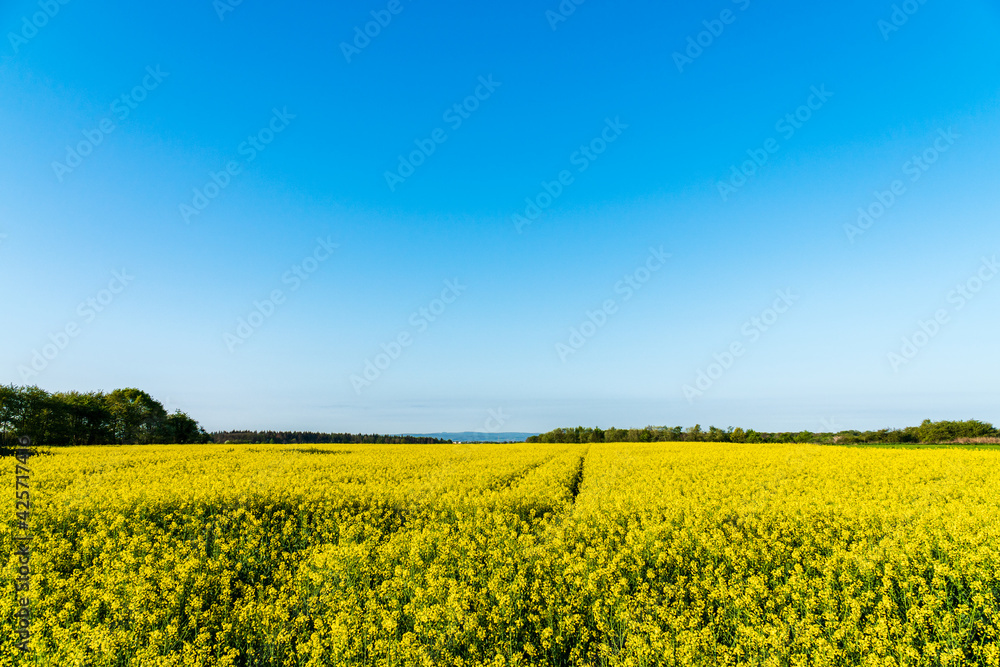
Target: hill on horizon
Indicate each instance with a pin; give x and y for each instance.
(474, 436)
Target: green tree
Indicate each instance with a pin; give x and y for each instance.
(182, 430)
(615, 435)
(84, 419)
(28, 411)
(137, 418)
(717, 435)
(946, 431)
(639, 435)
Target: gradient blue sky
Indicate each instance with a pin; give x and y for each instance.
(824, 364)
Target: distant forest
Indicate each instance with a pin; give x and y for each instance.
(928, 432)
(307, 438)
(133, 417)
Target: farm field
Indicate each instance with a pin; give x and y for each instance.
(531, 554)
(913, 445)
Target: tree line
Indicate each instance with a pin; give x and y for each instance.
(928, 432)
(310, 438)
(133, 417)
(121, 417)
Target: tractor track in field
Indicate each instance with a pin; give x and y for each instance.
(510, 480)
(577, 479)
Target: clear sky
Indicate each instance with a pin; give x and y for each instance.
(611, 214)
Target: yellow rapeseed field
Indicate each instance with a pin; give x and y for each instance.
(544, 554)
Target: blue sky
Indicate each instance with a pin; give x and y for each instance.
(643, 109)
